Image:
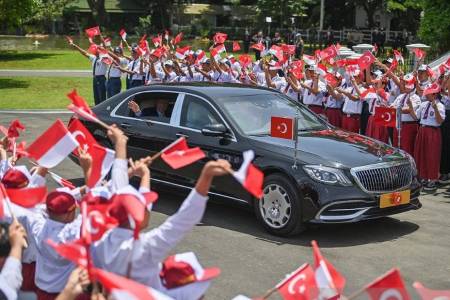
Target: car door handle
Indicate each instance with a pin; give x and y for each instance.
(182, 135)
(125, 125)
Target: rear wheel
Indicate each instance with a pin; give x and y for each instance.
(279, 210)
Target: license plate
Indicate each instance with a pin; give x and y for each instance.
(395, 199)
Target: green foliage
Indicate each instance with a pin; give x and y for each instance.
(144, 25)
(48, 10)
(435, 24)
(14, 13)
(282, 10)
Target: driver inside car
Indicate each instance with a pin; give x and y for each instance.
(160, 110)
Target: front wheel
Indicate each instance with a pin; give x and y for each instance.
(279, 210)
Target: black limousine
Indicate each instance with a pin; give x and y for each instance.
(339, 177)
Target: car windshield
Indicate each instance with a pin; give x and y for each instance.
(252, 113)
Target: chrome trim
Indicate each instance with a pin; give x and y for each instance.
(346, 217)
(190, 188)
(383, 168)
(318, 215)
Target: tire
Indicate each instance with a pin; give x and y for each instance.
(284, 201)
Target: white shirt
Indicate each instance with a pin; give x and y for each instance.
(289, 91)
(425, 112)
(446, 101)
(403, 98)
(332, 102)
(11, 278)
(393, 91)
(98, 67)
(350, 106)
(134, 66)
(114, 71)
(117, 247)
(309, 98)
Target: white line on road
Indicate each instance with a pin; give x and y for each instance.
(35, 112)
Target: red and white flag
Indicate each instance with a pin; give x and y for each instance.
(328, 53)
(95, 221)
(385, 116)
(366, 60)
(93, 31)
(80, 102)
(236, 46)
(177, 39)
(245, 60)
(93, 48)
(428, 294)
(388, 286)
(80, 112)
(27, 197)
(299, 285)
(277, 51)
(288, 49)
(157, 40)
(122, 288)
(281, 127)
(216, 51)
(369, 93)
(107, 41)
(55, 144)
(258, 46)
(419, 53)
(178, 154)
(61, 181)
(330, 282)
(14, 129)
(309, 60)
(81, 134)
(399, 57)
(181, 53)
(220, 38)
(75, 251)
(123, 34)
(102, 161)
(249, 176)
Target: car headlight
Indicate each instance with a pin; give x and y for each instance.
(327, 175)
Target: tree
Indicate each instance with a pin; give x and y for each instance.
(369, 6)
(48, 11)
(282, 10)
(98, 11)
(14, 13)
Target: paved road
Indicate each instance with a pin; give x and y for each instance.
(45, 73)
(252, 261)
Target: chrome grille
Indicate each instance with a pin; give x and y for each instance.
(383, 177)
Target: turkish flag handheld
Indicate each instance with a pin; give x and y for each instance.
(95, 221)
(79, 102)
(281, 127)
(299, 285)
(27, 197)
(81, 134)
(123, 34)
(250, 176)
(330, 282)
(366, 60)
(385, 116)
(53, 145)
(388, 286)
(309, 60)
(102, 161)
(220, 38)
(122, 288)
(178, 154)
(14, 128)
(93, 31)
(73, 251)
(236, 46)
(258, 47)
(328, 53)
(427, 294)
(419, 53)
(178, 38)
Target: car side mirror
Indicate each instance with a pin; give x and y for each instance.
(215, 130)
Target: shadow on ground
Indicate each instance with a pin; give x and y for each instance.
(15, 55)
(9, 83)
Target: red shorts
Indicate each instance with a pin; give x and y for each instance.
(427, 152)
(334, 116)
(351, 122)
(408, 138)
(28, 271)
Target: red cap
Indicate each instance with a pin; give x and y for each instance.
(59, 202)
(182, 269)
(16, 178)
(432, 89)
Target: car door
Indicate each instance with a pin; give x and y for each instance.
(196, 113)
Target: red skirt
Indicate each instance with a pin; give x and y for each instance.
(43, 295)
(409, 133)
(334, 116)
(316, 108)
(377, 131)
(427, 152)
(28, 271)
(351, 123)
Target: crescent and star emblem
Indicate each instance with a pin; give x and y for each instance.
(94, 217)
(387, 118)
(391, 294)
(282, 128)
(81, 140)
(294, 283)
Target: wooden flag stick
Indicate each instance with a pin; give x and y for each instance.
(269, 293)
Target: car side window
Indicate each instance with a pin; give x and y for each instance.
(197, 114)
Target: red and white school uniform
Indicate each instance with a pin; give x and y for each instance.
(333, 110)
(291, 93)
(374, 130)
(351, 112)
(409, 124)
(314, 102)
(427, 149)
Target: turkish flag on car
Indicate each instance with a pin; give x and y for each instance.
(427, 294)
(236, 46)
(299, 285)
(385, 116)
(178, 154)
(366, 60)
(388, 286)
(250, 176)
(93, 31)
(281, 127)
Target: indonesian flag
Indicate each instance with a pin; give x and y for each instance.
(182, 52)
(107, 42)
(177, 39)
(245, 60)
(399, 57)
(236, 46)
(81, 134)
(178, 154)
(299, 285)
(330, 282)
(200, 56)
(277, 51)
(216, 51)
(388, 286)
(258, 46)
(393, 65)
(281, 127)
(122, 288)
(427, 294)
(53, 145)
(19, 149)
(75, 251)
(369, 93)
(309, 60)
(123, 34)
(385, 116)
(82, 113)
(61, 181)
(419, 53)
(157, 41)
(93, 31)
(220, 38)
(102, 161)
(366, 60)
(328, 53)
(27, 197)
(322, 70)
(250, 176)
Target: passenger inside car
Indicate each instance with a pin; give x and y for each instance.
(155, 109)
(198, 116)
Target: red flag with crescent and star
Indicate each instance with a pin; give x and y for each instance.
(385, 116)
(366, 60)
(299, 285)
(388, 286)
(281, 127)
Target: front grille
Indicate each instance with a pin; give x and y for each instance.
(384, 177)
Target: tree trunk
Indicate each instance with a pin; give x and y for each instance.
(98, 11)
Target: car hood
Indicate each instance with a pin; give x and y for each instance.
(335, 148)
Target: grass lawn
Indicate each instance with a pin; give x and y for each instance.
(41, 92)
(43, 59)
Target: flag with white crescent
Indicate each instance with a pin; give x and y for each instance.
(282, 127)
(389, 286)
(299, 285)
(385, 116)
